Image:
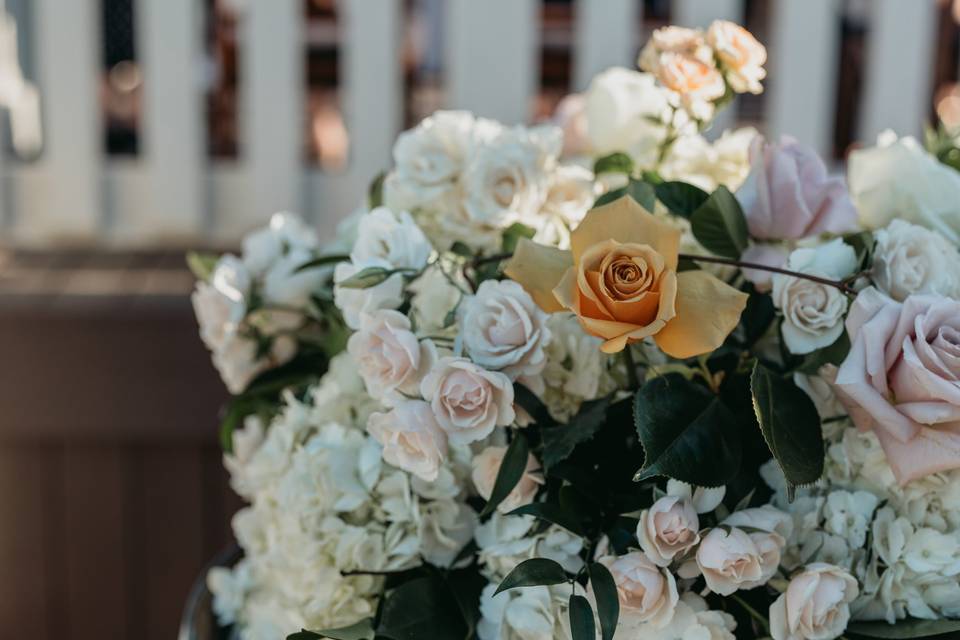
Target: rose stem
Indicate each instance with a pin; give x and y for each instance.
(632, 379)
(756, 615)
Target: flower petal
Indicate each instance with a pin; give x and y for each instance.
(539, 269)
(708, 309)
(624, 220)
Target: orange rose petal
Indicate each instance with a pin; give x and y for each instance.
(539, 269)
(641, 310)
(708, 309)
(592, 304)
(625, 220)
(565, 293)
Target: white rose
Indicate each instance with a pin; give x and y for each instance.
(411, 438)
(503, 329)
(434, 297)
(813, 312)
(285, 232)
(911, 259)
(238, 362)
(284, 285)
(647, 593)
(898, 179)
(393, 238)
(388, 355)
(667, 529)
(619, 106)
(355, 302)
(726, 161)
(486, 466)
(730, 561)
(221, 304)
(468, 401)
(815, 606)
(703, 499)
(571, 194)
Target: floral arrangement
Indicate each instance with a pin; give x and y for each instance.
(601, 378)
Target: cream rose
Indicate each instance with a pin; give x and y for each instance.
(486, 466)
(910, 259)
(729, 559)
(389, 356)
(411, 438)
(741, 56)
(468, 401)
(815, 606)
(391, 237)
(624, 109)
(667, 529)
(647, 593)
(902, 379)
(285, 233)
(355, 302)
(503, 329)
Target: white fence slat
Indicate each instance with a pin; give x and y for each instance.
(604, 37)
(492, 57)
(899, 73)
(172, 133)
(59, 197)
(801, 84)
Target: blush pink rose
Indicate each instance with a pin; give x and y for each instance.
(902, 379)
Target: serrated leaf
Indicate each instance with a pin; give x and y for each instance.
(687, 433)
(559, 441)
(533, 573)
(552, 513)
(321, 261)
(375, 191)
(366, 278)
(512, 234)
(202, 265)
(608, 600)
(903, 629)
(512, 467)
(362, 630)
(618, 162)
(719, 225)
(790, 425)
(582, 625)
(681, 198)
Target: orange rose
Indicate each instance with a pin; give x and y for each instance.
(740, 54)
(620, 279)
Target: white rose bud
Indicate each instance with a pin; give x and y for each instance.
(468, 401)
(503, 329)
(911, 259)
(729, 559)
(393, 238)
(815, 606)
(647, 593)
(388, 355)
(667, 529)
(486, 466)
(411, 438)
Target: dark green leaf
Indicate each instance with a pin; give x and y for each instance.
(610, 196)
(362, 630)
(421, 608)
(681, 198)
(862, 243)
(559, 441)
(582, 625)
(511, 470)
(321, 261)
(831, 354)
(614, 163)
(465, 586)
(608, 600)
(903, 629)
(461, 249)
(202, 265)
(375, 191)
(643, 193)
(790, 425)
(532, 573)
(757, 316)
(718, 224)
(366, 278)
(512, 234)
(687, 433)
(552, 513)
(529, 402)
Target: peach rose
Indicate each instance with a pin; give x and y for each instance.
(668, 528)
(816, 604)
(467, 400)
(411, 438)
(731, 559)
(647, 593)
(683, 63)
(388, 355)
(740, 54)
(620, 279)
(902, 379)
(486, 466)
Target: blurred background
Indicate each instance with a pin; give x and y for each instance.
(133, 129)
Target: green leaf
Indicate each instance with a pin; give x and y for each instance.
(835, 353)
(640, 191)
(582, 625)
(202, 265)
(757, 316)
(618, 162)
(608, 600)
(421, 608)
(560, 441)
(790, 425)
(687, 433)
(718, 224)
(552, 513)
(681, 198)
(534, 406)
(321, 261)
(366, 278)
(909, 628)
(375, 191)
(533, 573)
(512, 234)
(863, 243)
(511, 470)
(362, 630)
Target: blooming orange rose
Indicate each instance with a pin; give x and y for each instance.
(620, 279)
(740, 53)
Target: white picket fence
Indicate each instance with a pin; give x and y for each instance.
(171, 193)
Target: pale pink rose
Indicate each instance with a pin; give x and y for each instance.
(667, 529)
(388, 355)
(411, 438)
(815, 606)
(740, 54)
(729, 560)
(647, 592)
(486, 466)
(788, 195)
(902, 379)
(468, 401)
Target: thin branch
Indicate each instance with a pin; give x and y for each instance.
(841, 285)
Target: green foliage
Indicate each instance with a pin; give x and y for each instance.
(424, 607)
(512, 234)
(681, 198)
(366, 278)
(719, 225)
(757, 317)
(362, 630)
(375, 191)
(834, 353)
(321, 261)
(863, 244)
(582, 625)
(687, 433)
(790, 425)
(639, 190)
(511, 470)
(532, 573)
(618, 162)
(553, 513)
(202, 264)
(903, 629)
(608, 600)
(559, 441)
